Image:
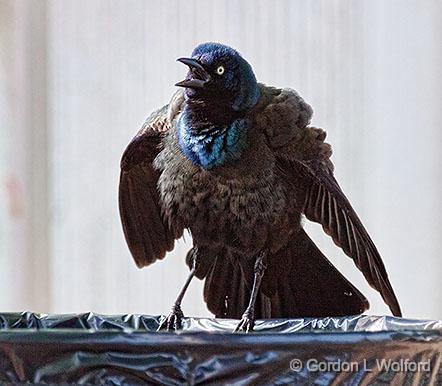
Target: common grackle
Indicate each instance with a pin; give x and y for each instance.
(236, 163)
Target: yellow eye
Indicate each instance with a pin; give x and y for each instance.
(220, 70)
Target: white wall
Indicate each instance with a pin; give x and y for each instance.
(24, 247)
(370, 69)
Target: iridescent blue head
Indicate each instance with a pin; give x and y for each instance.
(220, 89)
(218, 75)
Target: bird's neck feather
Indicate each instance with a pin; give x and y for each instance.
(214, 112)
(210, 137)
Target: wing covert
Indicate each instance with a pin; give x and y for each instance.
(147, 235)
(321, 200)
(303, 159)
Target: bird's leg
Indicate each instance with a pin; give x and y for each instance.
(174, 319)
(248, 318)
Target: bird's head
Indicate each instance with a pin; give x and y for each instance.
(219, 75)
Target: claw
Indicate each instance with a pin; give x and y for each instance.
(173, 321)
(246, 324)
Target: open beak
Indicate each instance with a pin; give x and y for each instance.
(198, 76)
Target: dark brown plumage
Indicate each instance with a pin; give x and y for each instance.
(237, 164)
(236, 210)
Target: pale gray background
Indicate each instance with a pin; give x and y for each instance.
(77, 79)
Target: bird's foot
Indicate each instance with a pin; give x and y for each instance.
(246, 323)
(173, 321)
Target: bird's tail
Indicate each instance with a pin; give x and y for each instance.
(299, 282)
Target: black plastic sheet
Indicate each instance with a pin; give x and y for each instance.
(126, 349)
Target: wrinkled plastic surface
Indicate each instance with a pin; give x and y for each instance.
(126, 349)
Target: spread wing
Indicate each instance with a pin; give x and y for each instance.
(147, 235)
(310, 172)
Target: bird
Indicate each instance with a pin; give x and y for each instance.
(238, 165)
